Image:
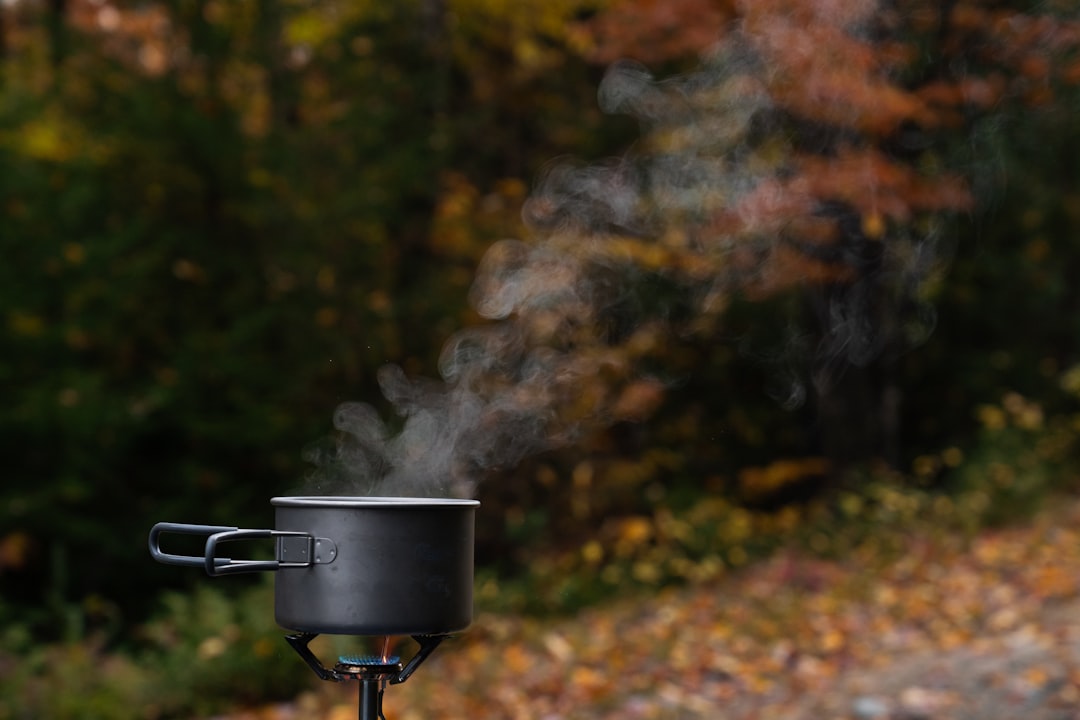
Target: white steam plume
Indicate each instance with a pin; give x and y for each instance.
(717, 197)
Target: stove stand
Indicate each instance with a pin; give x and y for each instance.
(372, 671)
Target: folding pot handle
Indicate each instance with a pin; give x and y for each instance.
(294, 549)
(226, 566)
(182, 529)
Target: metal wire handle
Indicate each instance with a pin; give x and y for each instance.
(294, 549)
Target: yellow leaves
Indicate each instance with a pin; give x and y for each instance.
(1016, 411)
(74, 253)
(582, 475)
(327, 317)
(646, 572)
(990, 417)
(25, 323)
(580, 41)
(525, 18)
(670, 526)
(1024, 414)
(264, 648)
(211, 647)
(45, 140)
(69, 397)
(362, 45)
(308, 28)
(592, 552)
(379, 302)
(1037, 250)
(516, 659)
(528, 53)
(851, 504)
(631, 533)
(560, 648)
(533, 34)
(54, 137)
(582, 478)
(952, 457)
(189, 271)
(645, 340)
(467, 220)
(588, 679)
(1070, 381)
(642, 253)
(14, 550)
(925, 467)
(737, 556)
(762, 481)
(326, 279)
(831, 640)
(873, 225)
(1054, 581)
(738, 526)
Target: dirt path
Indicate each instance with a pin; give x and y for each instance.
(1030, 672)
(986, 629)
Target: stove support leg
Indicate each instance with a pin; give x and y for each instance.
(371, 696)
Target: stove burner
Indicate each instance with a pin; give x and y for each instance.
(365, 660)
(373, 671)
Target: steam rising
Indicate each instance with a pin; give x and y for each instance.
(712, 199)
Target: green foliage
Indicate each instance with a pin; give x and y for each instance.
(204, 651)
(74, 680)
(207, 648)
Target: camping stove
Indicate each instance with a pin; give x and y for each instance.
(373, 672)
(360, 566)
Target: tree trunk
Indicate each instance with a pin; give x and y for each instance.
(858, 415)
(285, 111)
(854, 374)
(3, 35)
(57, 24)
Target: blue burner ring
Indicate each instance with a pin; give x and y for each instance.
(368, 660)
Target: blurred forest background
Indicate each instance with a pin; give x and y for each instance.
(841, 303)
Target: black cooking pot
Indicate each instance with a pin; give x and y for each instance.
(356, 565)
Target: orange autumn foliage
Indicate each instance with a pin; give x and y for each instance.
(847, 73)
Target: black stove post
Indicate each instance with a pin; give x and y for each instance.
(371, 695)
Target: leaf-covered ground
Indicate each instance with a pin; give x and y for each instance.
(984, 628)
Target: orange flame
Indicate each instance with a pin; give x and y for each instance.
(388, 643)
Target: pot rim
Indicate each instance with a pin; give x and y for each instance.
(349, 501)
